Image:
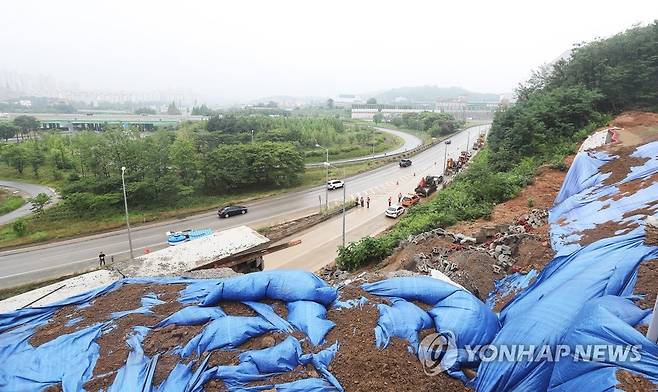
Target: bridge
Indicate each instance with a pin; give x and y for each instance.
(96, 121)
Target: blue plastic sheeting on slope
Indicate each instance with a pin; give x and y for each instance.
(606, 322)
(403, 320)
(286, 286)
(266, 312)
(137, 373)
(541, 314)
(28, 368)
(471, 321)
(456, 311)
(261, 364)
(420, 288)
(590, 204)
(508, 285)
(192, 315)
(227, 332)
(25, 368)
(311, 318)
(583, 174)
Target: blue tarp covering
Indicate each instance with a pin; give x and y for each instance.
(576, 298)
(581, 298)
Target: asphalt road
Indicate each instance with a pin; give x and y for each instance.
(27, 189)
(410, 142)
(51, 260)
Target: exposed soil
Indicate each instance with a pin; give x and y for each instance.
(647, 283)
(620, 168)
(638, 127)
(633, 382)
(360, 366)
(540, 194)
(127, 297)
(605, 230)
(630, 187)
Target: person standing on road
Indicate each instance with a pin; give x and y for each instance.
(399, 197)
(361, 201)
(389, 201)
(101, 259)
(368, 202)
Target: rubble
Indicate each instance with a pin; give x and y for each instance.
(651, 230)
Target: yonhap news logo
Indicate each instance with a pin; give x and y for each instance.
(438, 352)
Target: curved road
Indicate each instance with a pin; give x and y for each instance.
(50, 260)
(30, 189)
(410, 142)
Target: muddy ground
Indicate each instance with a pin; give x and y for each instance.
(359, 365)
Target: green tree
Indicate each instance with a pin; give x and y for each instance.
(39, 202)
(16, 156)
(145, 110)
(26, 123)
(172, 109)
(377, 118)
(330, 103)
(7, 130)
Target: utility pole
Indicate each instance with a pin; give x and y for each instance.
(252, 136)
(326, 192)
(125, 203)
(344, 201)
(445, 157)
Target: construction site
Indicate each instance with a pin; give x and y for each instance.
(570, 261)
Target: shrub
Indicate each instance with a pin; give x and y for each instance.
(20, 227)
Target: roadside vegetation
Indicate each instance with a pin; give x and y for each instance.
(168, 173)
(556, 109)
(9, 202)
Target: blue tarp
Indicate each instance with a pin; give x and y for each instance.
(576, 298)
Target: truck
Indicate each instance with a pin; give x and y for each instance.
(428, 185)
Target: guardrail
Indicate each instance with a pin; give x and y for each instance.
(397, 156)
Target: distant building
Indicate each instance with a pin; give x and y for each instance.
(346, 100)
(26, 103)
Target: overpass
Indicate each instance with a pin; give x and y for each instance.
(96, 121)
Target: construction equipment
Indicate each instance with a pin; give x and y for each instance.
(428, 185)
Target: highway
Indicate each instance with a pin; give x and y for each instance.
(410, 142)
(44, 261)
(30, 190)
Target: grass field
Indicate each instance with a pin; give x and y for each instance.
(9, 202)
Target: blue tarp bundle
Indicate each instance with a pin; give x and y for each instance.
(26, 368)
(576, 298)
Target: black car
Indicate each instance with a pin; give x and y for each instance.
(231, 210)
(405, 162)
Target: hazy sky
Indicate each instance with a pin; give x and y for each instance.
(230, 50)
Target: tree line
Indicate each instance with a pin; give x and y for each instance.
(556, 109)
(161, 169)
(436, 124)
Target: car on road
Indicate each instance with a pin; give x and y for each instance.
(405, 162)
(448, 141)
(335, 184)
(394, 211)
(409, 200)
(229, 211)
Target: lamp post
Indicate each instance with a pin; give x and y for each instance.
(125, 203)
(252, 136)
(344, 200)
(326, 188)
(445, 157)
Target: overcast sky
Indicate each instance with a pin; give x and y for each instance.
(234, 50)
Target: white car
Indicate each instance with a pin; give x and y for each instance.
(335, 184)
(394, 211)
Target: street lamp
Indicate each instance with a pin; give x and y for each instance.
(125, 203)
(344, 199)
(252, 136)
(326, 163)
(445, 157)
